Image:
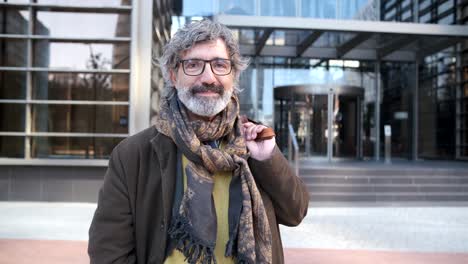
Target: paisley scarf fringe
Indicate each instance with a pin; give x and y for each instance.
(194, 249)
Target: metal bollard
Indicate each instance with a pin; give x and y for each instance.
(388, 144)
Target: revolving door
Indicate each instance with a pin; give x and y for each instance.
(311, 110)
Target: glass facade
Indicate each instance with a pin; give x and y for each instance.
(65, 82)
(333, 9)
(265, 73)
(398, 84)
(434, 129)
(441, 119)
(64, 78)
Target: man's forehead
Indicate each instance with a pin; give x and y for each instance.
(217, 45)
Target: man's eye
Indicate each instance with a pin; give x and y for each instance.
(191, 65)
(221, 65)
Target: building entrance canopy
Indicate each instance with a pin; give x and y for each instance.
(342, 39)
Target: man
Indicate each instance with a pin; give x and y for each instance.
(197, 187)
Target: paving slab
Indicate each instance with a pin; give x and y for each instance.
(412, 229)
(74, 252)
(32, 232)
(328, 256)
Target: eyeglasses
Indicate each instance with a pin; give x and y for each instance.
(195, 67)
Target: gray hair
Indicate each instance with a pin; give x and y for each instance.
(191, 34)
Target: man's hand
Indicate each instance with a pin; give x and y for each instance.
(259, 150)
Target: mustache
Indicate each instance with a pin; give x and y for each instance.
(207, 88)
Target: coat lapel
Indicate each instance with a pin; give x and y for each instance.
(166, 153)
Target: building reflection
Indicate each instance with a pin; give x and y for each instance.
(66, 71)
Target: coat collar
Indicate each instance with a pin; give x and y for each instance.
(166, 153)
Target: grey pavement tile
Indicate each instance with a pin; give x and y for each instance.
(415, 229)
(419, 229)
(42, 220)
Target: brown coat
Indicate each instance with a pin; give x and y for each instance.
(135, 201)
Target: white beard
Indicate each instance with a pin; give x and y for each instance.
(204, 106)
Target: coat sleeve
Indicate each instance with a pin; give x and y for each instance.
(111, 236)
(288, 193)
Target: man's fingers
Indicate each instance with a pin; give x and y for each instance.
(251, 130)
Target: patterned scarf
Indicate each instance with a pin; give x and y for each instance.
(193, 223)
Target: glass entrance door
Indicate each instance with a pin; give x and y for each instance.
(310, 122)
(346, 126)
(311, 110)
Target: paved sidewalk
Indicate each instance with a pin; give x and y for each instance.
(333, 256)
(57, 233)
(74, 252)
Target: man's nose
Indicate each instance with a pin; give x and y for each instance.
(208, 76)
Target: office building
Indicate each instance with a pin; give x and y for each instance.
(76, 77)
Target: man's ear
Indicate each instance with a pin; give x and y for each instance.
(173, 77)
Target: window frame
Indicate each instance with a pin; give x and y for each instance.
(137, 103)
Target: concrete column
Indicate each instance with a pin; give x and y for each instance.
(140, 80)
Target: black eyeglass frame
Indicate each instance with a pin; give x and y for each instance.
(204, 66)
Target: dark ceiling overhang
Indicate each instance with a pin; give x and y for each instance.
(343, 39)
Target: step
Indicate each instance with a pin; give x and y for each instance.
(364, 171)
(382, 188)
(359, 179)
(387, 197)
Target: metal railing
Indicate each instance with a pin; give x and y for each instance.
(292, 143)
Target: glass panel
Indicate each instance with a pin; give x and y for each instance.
(80, 118)
(197, 8)
(424, 4)
(368, 115)
(444, 7)
(328, 39)
(388, 3)
(279, 38)
(237, 7)
(390, 14)
(12, 85)
(12, 117)
(80, 86)
(278, 8)
(310, 124)
(309, 115)
(352, 9)
(12, 147)
(86, 2)
(288, 38)
(406, 15)
(13, 53)
(14, 21)
(66, 24)
(72, 147)
(16, 1)
(319, 8)
(406, 3)
(81, 56)
(345, 114)
(448, 20)
(396, 107)
(247, 36)
(344, 37)
(426, 18)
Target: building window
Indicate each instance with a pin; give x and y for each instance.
(64, 78)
